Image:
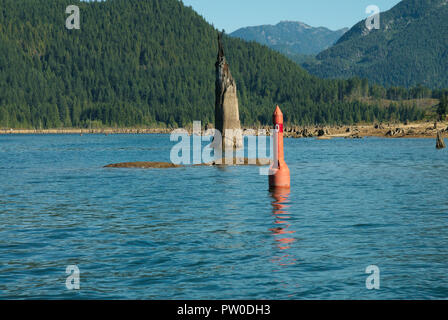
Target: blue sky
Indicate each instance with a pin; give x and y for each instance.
(334, 14)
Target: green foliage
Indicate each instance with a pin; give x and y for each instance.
(151, 63)
(442, 109)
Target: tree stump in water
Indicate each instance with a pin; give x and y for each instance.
(227, 118)
(440, 144)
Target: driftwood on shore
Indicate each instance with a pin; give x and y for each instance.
(440, 143)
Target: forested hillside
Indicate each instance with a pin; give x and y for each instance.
(151, 63)
(410, 48)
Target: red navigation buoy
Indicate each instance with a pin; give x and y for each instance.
(279, 176)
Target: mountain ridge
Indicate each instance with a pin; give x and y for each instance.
(409, 49)
(291, 37)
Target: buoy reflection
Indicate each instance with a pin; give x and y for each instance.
(282, 230)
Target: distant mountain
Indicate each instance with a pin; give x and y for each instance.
(410, 48)
(291, 38)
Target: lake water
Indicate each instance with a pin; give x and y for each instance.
(218, 233)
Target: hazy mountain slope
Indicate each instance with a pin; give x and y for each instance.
(410, 48)
(291, 37)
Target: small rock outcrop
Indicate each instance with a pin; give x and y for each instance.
(354, 136)
(440, 144)
(320, 132)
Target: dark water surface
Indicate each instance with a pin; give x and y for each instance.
(213, 233)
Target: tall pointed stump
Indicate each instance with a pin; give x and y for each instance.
(227, 117)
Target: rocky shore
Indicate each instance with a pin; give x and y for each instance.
(408, 130)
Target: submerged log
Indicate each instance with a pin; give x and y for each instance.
(227, 118)
(166, 165)
(144, 165)
(440, 144)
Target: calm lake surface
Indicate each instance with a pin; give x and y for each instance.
(218, 233)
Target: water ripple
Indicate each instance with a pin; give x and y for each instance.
(213, 233)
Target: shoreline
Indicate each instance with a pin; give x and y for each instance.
(410, 130)
(87, 131)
